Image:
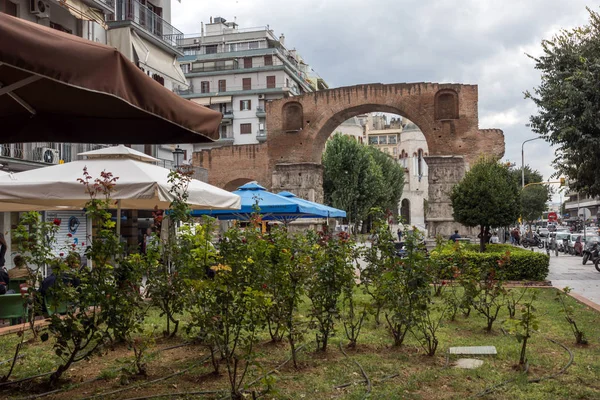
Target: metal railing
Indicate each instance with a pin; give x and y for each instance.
(108, 3)
(133, 10)
(46, 152)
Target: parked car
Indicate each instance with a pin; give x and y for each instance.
(560, 240)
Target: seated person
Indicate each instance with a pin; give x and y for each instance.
(4, 281)
(73, 262)
(20, 271)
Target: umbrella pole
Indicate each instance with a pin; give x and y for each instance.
(119, 219)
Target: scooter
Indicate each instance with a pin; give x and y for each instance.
(591, 252)
(535, 241)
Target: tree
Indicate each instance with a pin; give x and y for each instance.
(533, 202)
(567, 101)
(357, 178)
(486, 197)
(533, 197)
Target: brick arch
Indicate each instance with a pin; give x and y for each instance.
(323, 111)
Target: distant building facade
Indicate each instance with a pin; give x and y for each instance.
(236, 71)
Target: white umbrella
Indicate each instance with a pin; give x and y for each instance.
(140, 185)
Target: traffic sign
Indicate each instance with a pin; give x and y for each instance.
(552, 216)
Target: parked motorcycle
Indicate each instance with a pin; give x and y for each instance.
(532, 241)
(591, 251)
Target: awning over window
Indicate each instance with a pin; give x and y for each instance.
(83, 11)
(207, 101)
(156, 59)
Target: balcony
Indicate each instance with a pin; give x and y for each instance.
(226, 137)
(24, 156)
(227, 117)
(260, 112)
(261, 136)
(107, 6)
(146, 21)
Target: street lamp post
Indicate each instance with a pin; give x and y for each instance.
(523, 160)
(178, 157)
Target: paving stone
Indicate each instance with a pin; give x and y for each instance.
(468, 363)
(473, 350)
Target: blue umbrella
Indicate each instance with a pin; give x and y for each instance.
(331, 212)
(270, 206)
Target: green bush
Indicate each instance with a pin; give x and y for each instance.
(522, 265)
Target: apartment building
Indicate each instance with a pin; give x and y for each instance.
(237, 71)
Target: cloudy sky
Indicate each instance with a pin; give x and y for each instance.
(479, 42)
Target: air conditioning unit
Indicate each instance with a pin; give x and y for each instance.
(40, 8)
(46, 155)
(261, 96)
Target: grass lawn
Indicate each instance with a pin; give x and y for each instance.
(416, 376)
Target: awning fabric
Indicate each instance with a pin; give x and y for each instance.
(156, 59)
(271, 206)
(207, 101)
(62, 88)
(331, 211)
(84, 12)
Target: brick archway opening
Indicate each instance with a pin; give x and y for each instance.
(327, 127)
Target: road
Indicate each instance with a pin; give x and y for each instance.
(567, 270)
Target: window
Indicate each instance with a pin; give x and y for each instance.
(59, 27)
(405, 211)
(185, 68)
(245, 105)
(268, 60)
(211, 49)
(287, 82)
(395, 151)
(253, 45)
(247, 62)
(8, 7)
(382, 139)
(205, 87)
(420, 163)
(222, 85)
(245, 128)
(270, 82)
(372, 139)
(392, 139)
(246, 83)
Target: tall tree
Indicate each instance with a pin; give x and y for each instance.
(486, 197)
(568, 102)
(534, 198)
(357, 178)
(534, 201)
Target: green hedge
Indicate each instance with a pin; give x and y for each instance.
(522, 265)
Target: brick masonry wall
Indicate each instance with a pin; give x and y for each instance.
(235, 165)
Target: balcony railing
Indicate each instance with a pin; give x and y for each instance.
(134, 11)
(260, 112)
(261, 135)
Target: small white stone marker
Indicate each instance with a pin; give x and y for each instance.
(473, 350)
(468, 363)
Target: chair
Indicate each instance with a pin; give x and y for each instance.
(13, 307)
(52, 306)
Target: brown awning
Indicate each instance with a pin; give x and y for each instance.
(61, 88)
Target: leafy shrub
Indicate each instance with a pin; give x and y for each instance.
(523, 264)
